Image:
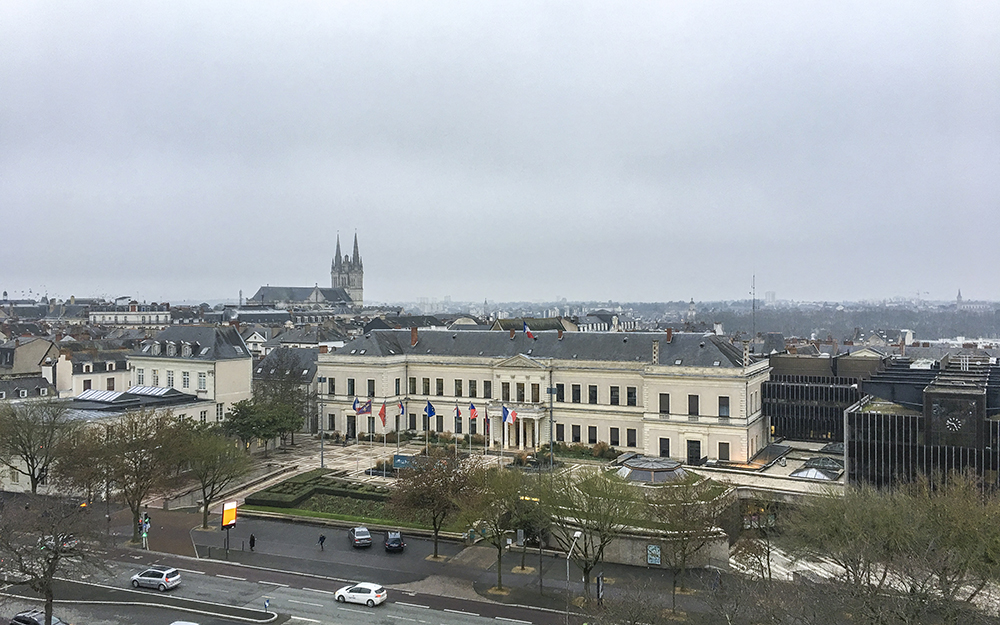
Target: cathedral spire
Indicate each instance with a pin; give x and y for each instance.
(356, 258)
(336, 256)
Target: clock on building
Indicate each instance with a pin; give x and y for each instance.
(953, 424)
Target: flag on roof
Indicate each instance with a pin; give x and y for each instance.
(527, 330)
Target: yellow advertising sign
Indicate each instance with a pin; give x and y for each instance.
(228, 514)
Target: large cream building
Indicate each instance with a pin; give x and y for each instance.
(683, 395)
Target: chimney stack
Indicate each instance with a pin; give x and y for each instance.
(323, 349)
(670, 334)
(413, 337)
(656, 352)
(559, 332)
(512, 334)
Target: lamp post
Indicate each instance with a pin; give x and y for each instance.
(576, 536)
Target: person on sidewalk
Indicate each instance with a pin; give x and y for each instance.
(253, 541)
(322, 539)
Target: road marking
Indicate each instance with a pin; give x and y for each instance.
(413, 605)
(353, 610)
(302, 618)
(512, 620)
(264, 581)
(325, 592)
(402, 618)
(191, 571)
(461, 612)
(318, 605)
(239, 579)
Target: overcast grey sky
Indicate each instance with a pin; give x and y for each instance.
(511, 151)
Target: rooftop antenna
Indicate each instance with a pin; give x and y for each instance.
(753, 306)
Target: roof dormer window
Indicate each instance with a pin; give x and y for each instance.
(156, 349)
(186, 350)
(171, 348)
(22, 393)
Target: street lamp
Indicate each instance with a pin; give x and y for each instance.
(576, 536)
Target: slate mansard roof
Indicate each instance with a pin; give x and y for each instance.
(683, 349)
(206, 343)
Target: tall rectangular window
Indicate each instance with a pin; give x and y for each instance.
(630, 437)
(614, 396)
(520, 391)
(487, 389)
(203, 416)
(413, 386)
(425, 384)
(398, 380)
(536, 394)
(111, 384)
(560, 432)
(576, 433)
(87, 384)
(331, 386)
(439, 387)
(202, 381)
(592, 394)
(371, 425)
(440, 423)
(331, 423)
(412, 425)
(592, 434)
(219, 411)
(630, 396)
(724, 451)
(350, 386)
(723, 406)
(693, 405)
(614, 437)
(458, 425)
(560, 392)
(576, 393)
(505, 391)
(170, 379)
(371, 388)
(185, 379)
(156, 377)
(472, 388)
(472, 427)
(664, 403)
(458, 388)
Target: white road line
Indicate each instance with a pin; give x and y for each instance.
(318, 605)
(239, 579)
(264, 581)
(325, 592)
(413, 605)
(402, 618)
(191, 571)
(512, 620)
(302, 618)
(461, 612)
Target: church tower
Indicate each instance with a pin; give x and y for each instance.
(348, 273)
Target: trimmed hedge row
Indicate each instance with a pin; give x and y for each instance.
(295, 490)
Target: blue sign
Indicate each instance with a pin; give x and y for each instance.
(400, 461)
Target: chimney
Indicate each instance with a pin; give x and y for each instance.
(656, 352)
(413, 336)
(746, 353)
(717, 328)
(512, 334)
(323, 349)
(670, 334)
(559, 333)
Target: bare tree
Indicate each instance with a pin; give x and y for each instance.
(215, 461)
(42, 537)
(30, 434)
(489, 506)
(431, 489)
(597, 503)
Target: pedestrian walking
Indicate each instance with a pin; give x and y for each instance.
(322, 539)
(253, 541)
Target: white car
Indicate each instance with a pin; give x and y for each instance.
(368, 594)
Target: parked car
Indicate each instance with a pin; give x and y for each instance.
(394, 541)
(364, 593)
(159, 577)
(359, 537)
(34, 617)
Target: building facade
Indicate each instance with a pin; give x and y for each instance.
(688, 396)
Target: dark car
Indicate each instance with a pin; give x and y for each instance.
(34, 617)
(394, 541)
(359, 537)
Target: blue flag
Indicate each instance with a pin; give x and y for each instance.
(429, 409)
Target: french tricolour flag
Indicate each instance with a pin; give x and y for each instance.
(527, 330)
(509, 416)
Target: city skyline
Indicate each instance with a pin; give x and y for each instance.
(510, 151)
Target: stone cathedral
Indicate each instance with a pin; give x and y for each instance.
(348, 273)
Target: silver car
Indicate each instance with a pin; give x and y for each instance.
(159, 577)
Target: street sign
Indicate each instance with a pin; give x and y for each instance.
(520, 538)
(228, 514)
